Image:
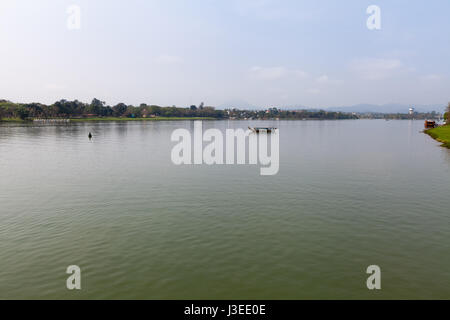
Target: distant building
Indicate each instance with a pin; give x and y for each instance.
(411, 110)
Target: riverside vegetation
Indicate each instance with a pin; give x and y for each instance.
(442, 133)
(98, 110)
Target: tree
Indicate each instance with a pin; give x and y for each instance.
(447, 114)
(155, 110)
(193, 107)
(35, 109)
(22, 112)
(96, 106)
(62, 107)
(119, 109)
(132, 112)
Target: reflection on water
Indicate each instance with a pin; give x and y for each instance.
(348, 194)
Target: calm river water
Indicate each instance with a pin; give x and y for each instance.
(348, 194)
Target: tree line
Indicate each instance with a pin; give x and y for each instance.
(402, 116)
(275, 113)
(97, 108)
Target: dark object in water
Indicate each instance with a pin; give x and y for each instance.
(258, 129)
(430, 124)
(90, 135)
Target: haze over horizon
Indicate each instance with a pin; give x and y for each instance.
(255, 52)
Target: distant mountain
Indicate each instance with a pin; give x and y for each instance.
(388, 108)
(297, 107)
(238, 104)
(359, 108)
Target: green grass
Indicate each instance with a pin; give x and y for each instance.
(139, 119)
(12, 120)
(441, 134)
(116, 119)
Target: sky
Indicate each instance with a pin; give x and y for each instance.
(239, 53)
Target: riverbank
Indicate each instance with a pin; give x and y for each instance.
(441, 134)
(12, 120)
(113, 119)
(139, 119)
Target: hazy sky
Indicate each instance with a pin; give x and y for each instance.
(260, 52)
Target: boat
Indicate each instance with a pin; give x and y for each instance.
(430, 124)
(260, 129)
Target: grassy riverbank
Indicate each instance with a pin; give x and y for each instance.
(139, 119)
(12, 120)
(116, 119)
(441, 134)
